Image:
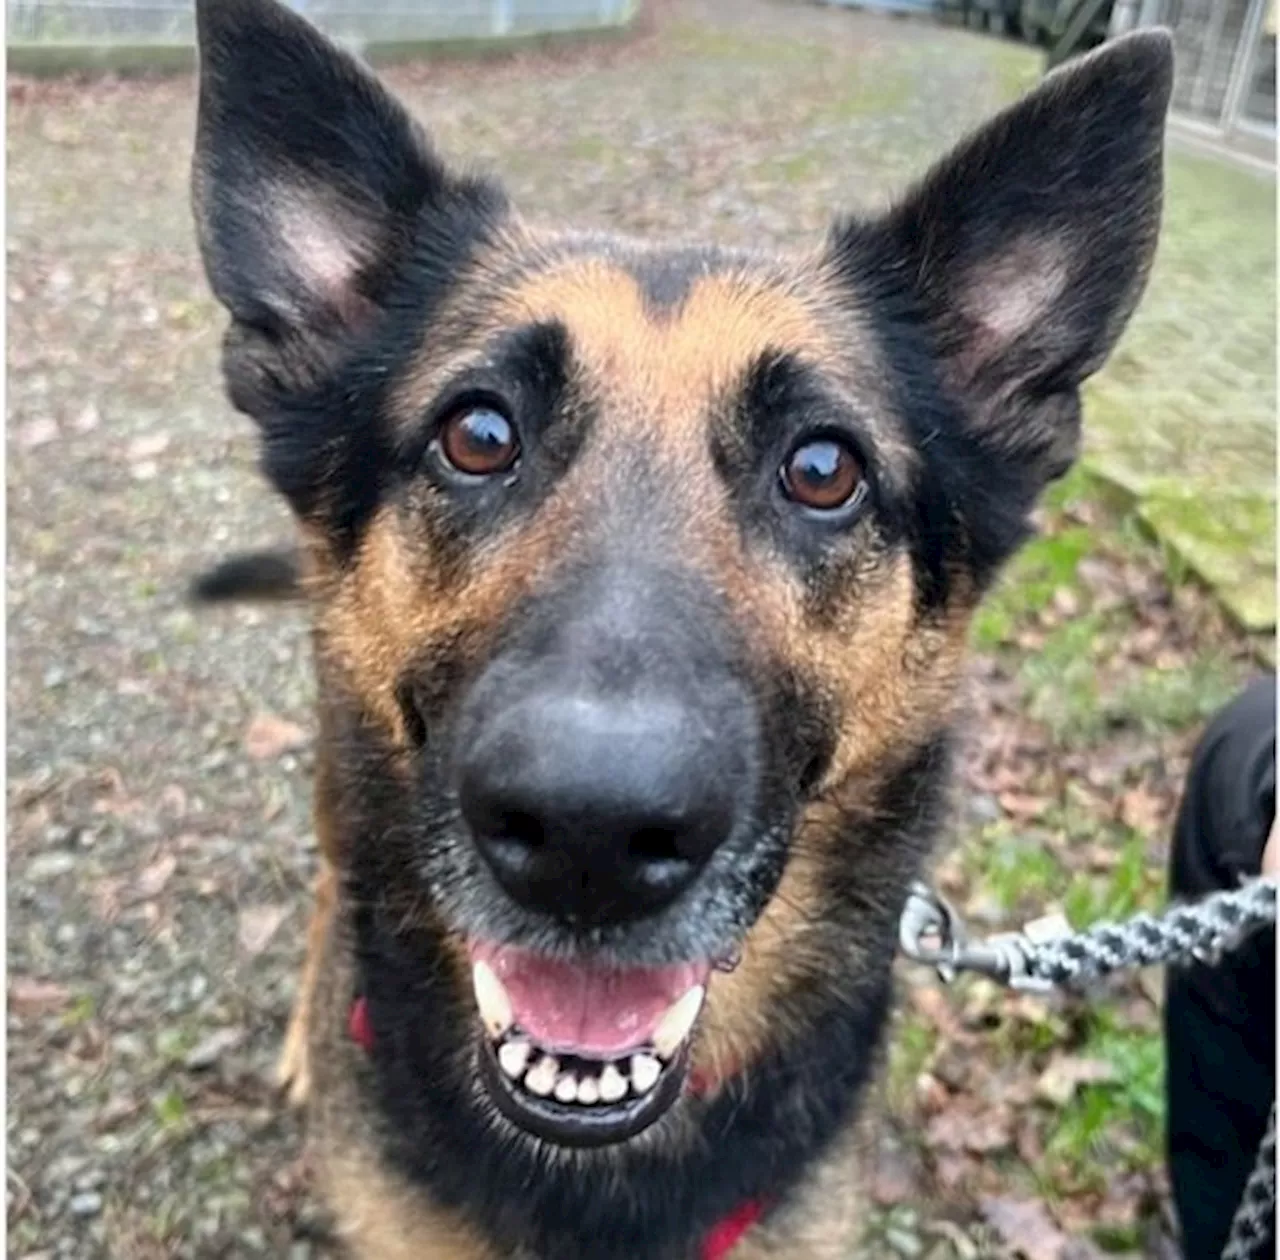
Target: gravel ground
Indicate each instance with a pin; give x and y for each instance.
(159, 764)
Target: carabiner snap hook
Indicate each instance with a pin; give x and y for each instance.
(931, 932)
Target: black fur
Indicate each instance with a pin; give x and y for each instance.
(287, 125)
(665, 279)
(255, 575)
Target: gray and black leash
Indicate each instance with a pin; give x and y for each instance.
(1048, 954)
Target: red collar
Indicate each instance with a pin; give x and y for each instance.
(717, 1245)
(728, 1234)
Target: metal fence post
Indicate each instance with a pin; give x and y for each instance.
(1242, 65)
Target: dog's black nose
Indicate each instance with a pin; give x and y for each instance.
(598, 808)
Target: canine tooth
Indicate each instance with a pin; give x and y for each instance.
(542, 1077)
(567, 1088)
(613, 1085)
(678, 1022)
(491, 997)
(645, 1070)
(513, 1058)
(589, 1091)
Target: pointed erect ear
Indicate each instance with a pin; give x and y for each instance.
(311, 187)
(1025, 251)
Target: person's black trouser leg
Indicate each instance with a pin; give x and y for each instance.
(1220, 1021)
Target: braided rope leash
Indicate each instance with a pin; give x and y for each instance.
(1198, 932)
(1255, 1218)
(1047, 954)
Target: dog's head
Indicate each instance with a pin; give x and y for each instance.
(643, 576)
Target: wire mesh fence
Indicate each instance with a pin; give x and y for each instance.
(172, 21)
(1226, 58)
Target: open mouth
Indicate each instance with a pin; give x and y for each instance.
(582, 1055)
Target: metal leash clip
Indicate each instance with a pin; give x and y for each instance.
(932, 932)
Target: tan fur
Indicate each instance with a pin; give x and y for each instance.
(382, 1219)
(293, 1068)
(660, 368)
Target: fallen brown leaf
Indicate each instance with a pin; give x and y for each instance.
(152, 879)
(1022, 805)
(962, 1127)
(115, 1110)
(1066, 602)
(1143, 811)
(1066, 1073)
(269, 737)
(1025, 1224)
(29, 996)
(931, 1002)
(932, 1095)
(36, 433)
(148, 446)
(894, 1181)
(952, 1171)
(208, 1051)
(258, 924)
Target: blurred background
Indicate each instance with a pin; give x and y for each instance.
(159, 762)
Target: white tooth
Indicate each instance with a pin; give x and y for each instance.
(513, 1057)
(613, 1085)
(567, 1088)
(542, 1077)
(678, 1022)
(495, 1006)
(589, 1091)
(645, 1070)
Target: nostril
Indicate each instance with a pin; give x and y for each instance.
(655, 844)
(517, 828)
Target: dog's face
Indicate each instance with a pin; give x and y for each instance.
(642, 576)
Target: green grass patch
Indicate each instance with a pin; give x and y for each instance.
(1163, 699)
(174, 1043)
(1060, 681)
(1116, 1125)
(1133, 884)
(1185, 410)
(1040, 569)
(911, 1048)
(1012, 867)
(81, 1011)
(170, 1110)
(722, 43)
(1066, 689)
(1018, 68)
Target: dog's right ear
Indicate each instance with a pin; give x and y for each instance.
(311, 186)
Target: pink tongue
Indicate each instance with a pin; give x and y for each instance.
(579, 1009)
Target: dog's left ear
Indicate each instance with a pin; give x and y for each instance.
(1025, 251)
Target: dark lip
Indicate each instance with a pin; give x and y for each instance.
(568, 1125)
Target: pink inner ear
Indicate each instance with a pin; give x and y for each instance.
(326, 247)
(1007, 295)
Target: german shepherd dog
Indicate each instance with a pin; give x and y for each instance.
(640, 580)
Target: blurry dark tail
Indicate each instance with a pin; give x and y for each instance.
(274, 574)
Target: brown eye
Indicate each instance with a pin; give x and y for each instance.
(823, 474)
(479, 442)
